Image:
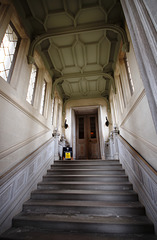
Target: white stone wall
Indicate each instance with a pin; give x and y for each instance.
(134, 120)
(142, 24)
(16, 186)
(22, 128)
(143, 178)
(26, 143)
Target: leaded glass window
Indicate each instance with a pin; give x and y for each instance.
(121, 86)
(43, 95)
(130, 81)
(8, 51)
(52, 113)
(32, 84)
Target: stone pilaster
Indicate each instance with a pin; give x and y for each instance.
(115, 144)
(56, 135)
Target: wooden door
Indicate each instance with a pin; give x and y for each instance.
(87, 137)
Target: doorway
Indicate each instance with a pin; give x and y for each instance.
(87, 136)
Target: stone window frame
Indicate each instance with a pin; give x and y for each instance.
(52, 111)
(43, 97)
(35, 84)
(129, 76)
(122, 88)
(11, 69)
(119, 94)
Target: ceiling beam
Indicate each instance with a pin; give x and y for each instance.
(82, 75)
(77, 30)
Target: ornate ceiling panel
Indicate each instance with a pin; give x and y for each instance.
(78, 40)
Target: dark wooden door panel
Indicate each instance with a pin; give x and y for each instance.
(87, 137)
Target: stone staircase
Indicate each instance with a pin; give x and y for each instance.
(83, 199)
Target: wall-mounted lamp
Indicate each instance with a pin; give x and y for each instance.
(107, 122)
(65, 124)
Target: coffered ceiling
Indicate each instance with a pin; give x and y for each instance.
(78, 41)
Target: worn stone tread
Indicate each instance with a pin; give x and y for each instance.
(87, 161)
(84, 218)
(104, 208)
(85, 165)
(86, 192)
(30, 233)
(84, 183)
(83, 203)
(85, 175)
(84, 170)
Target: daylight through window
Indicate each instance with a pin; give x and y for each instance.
(8, 52)
(32, 84)
(121, 86)
(43, 95)
(131, 85)
(52, 113)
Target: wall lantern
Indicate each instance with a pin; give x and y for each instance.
(107, 122)
(65, 124)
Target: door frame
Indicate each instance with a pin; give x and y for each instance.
(88, 109)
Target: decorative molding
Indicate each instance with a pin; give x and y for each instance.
(17, 184)
(21, 144)
(142, 176)
(76, 30)
(23, 163)
(83, 75)
(76, 41)
(29, 140)
(140, 139)
(132, 109)
(21, 108)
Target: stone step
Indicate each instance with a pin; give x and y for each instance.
(85, 171)
(23, 233)
(102, 178)
(84, 207)
(86, 223)
(85, 185)
(84, 195)
(87, 162)
(87, 166)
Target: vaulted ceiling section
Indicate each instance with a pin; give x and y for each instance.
(78, 40)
